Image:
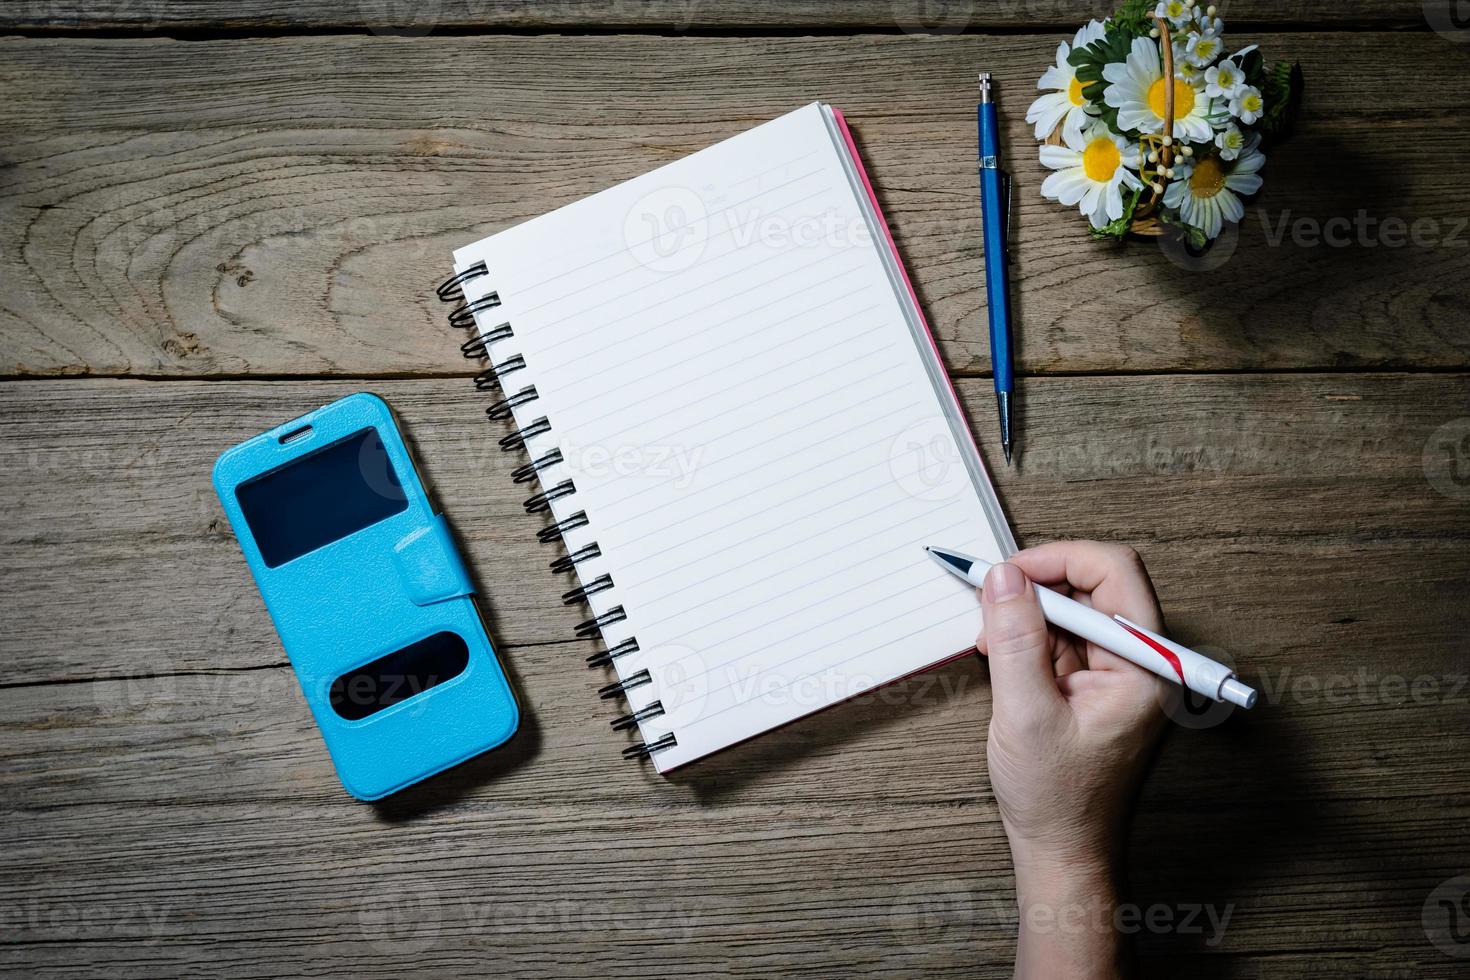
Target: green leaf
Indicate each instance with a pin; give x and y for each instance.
(1253, 68)
(1090, 61)
(1196, 237)
(1282, 92)
(1135, 17)
(1118, 228)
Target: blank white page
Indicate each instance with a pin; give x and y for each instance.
(756, 427)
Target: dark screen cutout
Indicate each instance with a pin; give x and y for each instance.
(322, 497)
(399, 676)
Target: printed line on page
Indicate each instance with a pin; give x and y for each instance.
(608, 369)
(705, 396)
(741, 424)
(629, 247)
(800, 450)
(806, 492)
(796, 680)
(714, 259)
(842, 617)
(850, 543)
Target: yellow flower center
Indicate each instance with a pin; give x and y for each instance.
(1074, 92)
(1208, 178)
(1251, 103)
(1101, 158)
(1183, 98)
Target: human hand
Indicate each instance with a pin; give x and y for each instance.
(1072, 731)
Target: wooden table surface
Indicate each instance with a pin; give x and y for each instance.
(209, 225)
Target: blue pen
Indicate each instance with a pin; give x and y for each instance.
(993, 207)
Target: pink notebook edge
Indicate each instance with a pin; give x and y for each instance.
(862, 171)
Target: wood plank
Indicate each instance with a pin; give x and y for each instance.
(908, 16)
(112, 526)
(283, 207)
(1351, 744)
(167, 807)
(206, 835)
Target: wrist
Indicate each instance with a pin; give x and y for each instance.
(1077, 865)
(1068, 902)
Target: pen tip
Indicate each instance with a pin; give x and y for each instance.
(1003, 405)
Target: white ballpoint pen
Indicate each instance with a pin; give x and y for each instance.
(1147, 649)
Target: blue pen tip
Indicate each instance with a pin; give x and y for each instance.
(950, 561)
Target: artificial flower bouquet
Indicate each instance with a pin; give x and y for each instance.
(1139, 156)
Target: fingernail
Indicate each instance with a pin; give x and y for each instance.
(1004, 581)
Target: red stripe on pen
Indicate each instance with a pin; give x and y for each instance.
(1164, 651)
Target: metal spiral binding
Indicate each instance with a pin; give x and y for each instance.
(588, 627)
(567, 562)
(600, 584)
(645, 749)
(451, 290)
(542, 501)
(606, 657)
(505, 408)
(492, 374)
(518, 438)
(466, 315)
(632, 718)
(558, 530)
(619, 688)
(527, 473)
(477, 347)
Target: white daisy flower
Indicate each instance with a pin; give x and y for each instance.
(1231, 141)
(1137, 91)
(1091, 171)
(1208, 196)
(1180, 44)
(1247, 105)
(1065, 104)
(1193, 75)
(1223, 80)
(1175, 12)
(1202, 48)
(1212, 25)
(1093, 30)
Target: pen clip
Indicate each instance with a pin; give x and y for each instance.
(1005, 231)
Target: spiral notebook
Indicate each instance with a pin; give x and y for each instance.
(741, 433)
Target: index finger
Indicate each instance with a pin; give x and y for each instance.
(1112, 573)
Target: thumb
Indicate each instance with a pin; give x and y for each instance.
(1017, 645)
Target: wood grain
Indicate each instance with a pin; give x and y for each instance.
(1280, 436)
(1276, 478)
(167, 806)
(283, 207)
(195, 835)
(668, 16)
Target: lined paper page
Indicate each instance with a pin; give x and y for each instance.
(730, 378)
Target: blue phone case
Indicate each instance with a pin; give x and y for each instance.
(360, 600)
